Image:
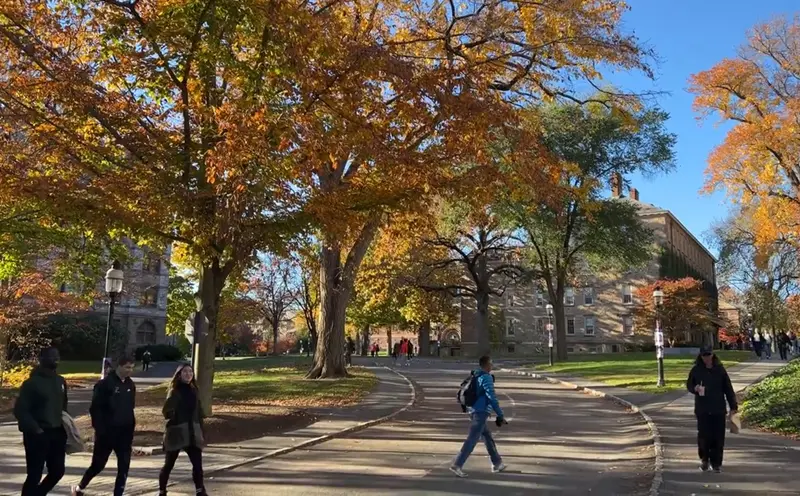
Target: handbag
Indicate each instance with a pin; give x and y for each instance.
(74, 440)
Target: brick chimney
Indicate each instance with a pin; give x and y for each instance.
(616, 185)
(634, 194)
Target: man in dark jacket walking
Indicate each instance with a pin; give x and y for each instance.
(711, 386)
(42, 398)
(113, 420)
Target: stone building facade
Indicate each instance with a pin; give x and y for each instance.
(599, 309)
(142, 308)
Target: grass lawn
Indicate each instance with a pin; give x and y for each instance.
(774, 403)
(636, 370)
(80, 370)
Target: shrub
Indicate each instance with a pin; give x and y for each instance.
(84, 337)
(160, 353)
(15, 376)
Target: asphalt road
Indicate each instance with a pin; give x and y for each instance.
(557, 441)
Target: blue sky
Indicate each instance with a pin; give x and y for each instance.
(690, 37)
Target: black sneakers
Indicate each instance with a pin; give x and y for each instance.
(704, 466)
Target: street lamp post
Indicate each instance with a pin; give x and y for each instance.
(114, 278)
(549, 308)
(658, 301)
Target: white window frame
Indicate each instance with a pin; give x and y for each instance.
(588, 294)
(539, 298)
(569, 297)
(586, 326)
(509, 297)
(573, 326)
(628, 331)
(511, 326)
(627, 293)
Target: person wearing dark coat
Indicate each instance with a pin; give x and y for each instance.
(184, 431)
(710, 384)
(42, 398)
(113, 420)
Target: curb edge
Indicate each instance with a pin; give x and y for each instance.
(310, 442)
(658, 447)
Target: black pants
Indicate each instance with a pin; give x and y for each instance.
(145, 365)
(195, 456)
(782, 348)
(118, 441)
(50, 449)
(711, 437)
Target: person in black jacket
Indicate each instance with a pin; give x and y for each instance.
(184, 430)
(42, 398)
(113, 420)
(711, 386)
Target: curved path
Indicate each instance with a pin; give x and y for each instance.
(557, 441)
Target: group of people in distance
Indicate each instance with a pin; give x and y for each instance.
(43, 397)
(404, 347)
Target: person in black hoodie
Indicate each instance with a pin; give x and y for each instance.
(42, 398)
(184, 428)
(710, 384)
(113, 420)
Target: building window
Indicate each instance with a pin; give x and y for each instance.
(511, 348)
(588, 296)
(509, 298)
(569, 297)
(539, 298)
(151, 263)
(588, 326)
(627, 294)
(627, 325)
(510, 327)
(146, 333)
(570, 349)
(592, 349)
(614, 348)
(570, 326)
(540, 323)
(149, 298)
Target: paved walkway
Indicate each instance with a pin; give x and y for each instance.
(557, 442)
(391, 394)
(755, 462)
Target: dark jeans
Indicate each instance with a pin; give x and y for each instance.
(782, 348)
(711, 437)
(477, 430)
(145, 365)
(118, 441)
(50, 449)
(195, 456)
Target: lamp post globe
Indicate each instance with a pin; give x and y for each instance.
(658, 302)
(114, 279)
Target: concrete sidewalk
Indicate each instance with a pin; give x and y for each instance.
(755, 462)
(391, 394)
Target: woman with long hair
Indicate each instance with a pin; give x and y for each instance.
(184, 429)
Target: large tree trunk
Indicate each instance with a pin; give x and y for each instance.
(561, 330)
(389, 340)
(365, 340)
(329, 359)
(482, 324)
(275, 331)
(212, 280)
(424, 336)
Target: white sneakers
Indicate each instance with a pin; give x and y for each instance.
(496, 469)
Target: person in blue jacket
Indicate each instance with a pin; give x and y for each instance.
(485, 403)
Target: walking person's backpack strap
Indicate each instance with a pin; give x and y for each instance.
(468, 392)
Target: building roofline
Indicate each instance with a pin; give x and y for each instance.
(661, 211)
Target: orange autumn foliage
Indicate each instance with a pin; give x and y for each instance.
(758, 163)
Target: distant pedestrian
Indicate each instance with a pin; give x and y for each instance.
(793, 339)
(146, 359)
(783, 345)
(404, 349)
(38, 410)
(484, 402)
(758, 344)
(395, 352)
(767, 340)
(184, 430)
(410, 350)
(113, 420)
(711, 386)
(350, 348)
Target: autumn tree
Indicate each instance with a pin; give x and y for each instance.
(686, 309)
(271, 291)
(229, 125)
(758, 163)
(576, 230)
(306, 292)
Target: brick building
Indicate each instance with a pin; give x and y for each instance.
(599, 310)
